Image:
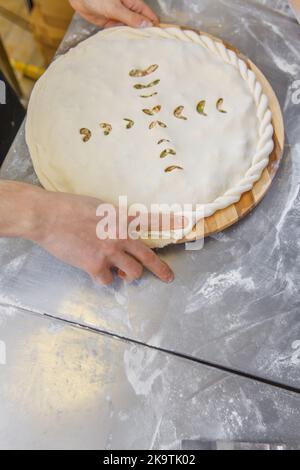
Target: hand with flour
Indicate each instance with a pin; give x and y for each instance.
(107, 13)
(65, 226)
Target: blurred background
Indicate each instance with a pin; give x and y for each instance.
(30, 33)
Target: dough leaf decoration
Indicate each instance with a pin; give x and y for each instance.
(162, 140)
(106, 127)
(173, 168)
(139, 86)
(86, 133)
(143, 73)
(201, 107)
(130, 123)
(167, 152)
(153, 111)
(157, 123)
(149, 96)
(178, 113)
(219, 106)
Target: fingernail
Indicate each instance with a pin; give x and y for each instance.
(146, 24)
(170, 278)
(122, 275)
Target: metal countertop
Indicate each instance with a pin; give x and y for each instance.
(68, 388)
(235, 303)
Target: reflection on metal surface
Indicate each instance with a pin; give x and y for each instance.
(2, 93)
(2, 353)
(64, 374)
(70, 388)
(235, 301)
(82, 308)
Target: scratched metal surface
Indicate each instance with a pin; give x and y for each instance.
(236, 302)
(67, 388)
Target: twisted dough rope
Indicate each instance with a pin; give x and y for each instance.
(265, 144)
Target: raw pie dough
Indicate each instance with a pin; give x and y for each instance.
(222, 154)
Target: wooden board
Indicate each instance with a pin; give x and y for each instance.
(224, 218)
(295, 4)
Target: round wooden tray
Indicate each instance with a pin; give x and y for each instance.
(224, 218)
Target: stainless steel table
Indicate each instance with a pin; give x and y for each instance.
(216, 355)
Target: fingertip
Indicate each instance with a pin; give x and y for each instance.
(104, 281)
(155, 19)
(167, 274)
(112, 24)
(145, 23)
(131, 18)
(149, 13)
(169, 278)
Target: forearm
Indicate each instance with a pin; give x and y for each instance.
(20, 210)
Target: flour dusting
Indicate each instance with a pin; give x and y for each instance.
(216, 284)
(296, 355)
(138, 364)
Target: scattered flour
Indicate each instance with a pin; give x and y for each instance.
(217, 283)
(137, 363)
(295, 359)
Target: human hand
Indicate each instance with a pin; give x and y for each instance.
(67, 229)
(107, 13)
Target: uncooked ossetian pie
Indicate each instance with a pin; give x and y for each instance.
(162, 116)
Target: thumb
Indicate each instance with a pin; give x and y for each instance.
(132, 19)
